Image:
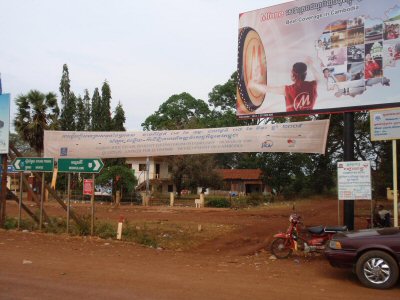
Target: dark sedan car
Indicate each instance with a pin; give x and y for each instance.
(374, 254)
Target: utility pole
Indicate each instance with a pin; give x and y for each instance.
(348, 138)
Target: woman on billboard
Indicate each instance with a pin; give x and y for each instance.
(302, 94)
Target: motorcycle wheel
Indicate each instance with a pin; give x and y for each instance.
(281, 248)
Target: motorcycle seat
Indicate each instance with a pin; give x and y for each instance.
(316, 229)
(335, 228)
(321, 229)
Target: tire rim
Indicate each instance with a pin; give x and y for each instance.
(377, 270)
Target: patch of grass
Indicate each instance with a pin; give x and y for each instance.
(219, 202)
(139, 234)
(56, 225)
(12, 223)
(173, 236)
(105, 230)
(155, 234)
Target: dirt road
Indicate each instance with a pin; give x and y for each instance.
(46, 266)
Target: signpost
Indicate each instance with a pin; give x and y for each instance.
(80, 165)
(88, 187)
(385, 125)
(33, 164)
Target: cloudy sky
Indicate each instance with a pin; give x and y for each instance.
(147, 50)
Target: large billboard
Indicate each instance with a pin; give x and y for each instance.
(301, 137)
(318, 56)
(4, 122)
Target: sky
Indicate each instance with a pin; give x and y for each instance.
(147, 50)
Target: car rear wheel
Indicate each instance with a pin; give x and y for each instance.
(377, 269)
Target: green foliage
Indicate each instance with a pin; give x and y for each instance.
(36, 112)
(12, 223)
(119, 119)
(178, 112)
(255, 199)
(83, 112)
(224, 96)
(121, 176)
(105, 108)
(56, 225)
(68, 102)
(96, 109)
(105, 230)
(141, 235)
(219, 202)
(87, 109)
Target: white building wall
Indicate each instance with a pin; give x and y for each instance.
(141, 175)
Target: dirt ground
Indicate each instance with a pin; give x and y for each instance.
(234, 265)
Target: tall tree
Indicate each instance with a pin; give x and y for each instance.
(185, 112)
(65, 86)
(68, 102)
(95, 112)
(87, 109)
(222, 100)
(105, 107)
(178, 112)
(36, 112)
(80, 114)
(119, 119)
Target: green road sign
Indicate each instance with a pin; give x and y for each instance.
(34, 164)
(80, 165)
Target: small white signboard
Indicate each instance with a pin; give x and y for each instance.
(385, 124)
(354, 180)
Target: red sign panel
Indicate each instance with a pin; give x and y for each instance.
(88, 186)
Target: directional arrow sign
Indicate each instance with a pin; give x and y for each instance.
(34, 164)
(80, 165)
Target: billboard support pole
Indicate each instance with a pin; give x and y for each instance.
(348, 214)
(3, 195)
(20, 199)
(395, 189)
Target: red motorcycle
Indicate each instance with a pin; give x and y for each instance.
(296, 238)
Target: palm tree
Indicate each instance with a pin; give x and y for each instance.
(36, 112)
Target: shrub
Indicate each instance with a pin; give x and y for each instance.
(105, 230)
(12, 223)
(255, 199)
(140, 236)
(219, 202)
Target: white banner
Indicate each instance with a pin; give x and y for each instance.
(302, 137)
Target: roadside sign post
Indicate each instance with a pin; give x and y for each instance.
(32, 164)
(92, 209)
(384, 126)
(20, 199)
(80, 165)
(88, 189)
(68, 200)
(41, 203)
